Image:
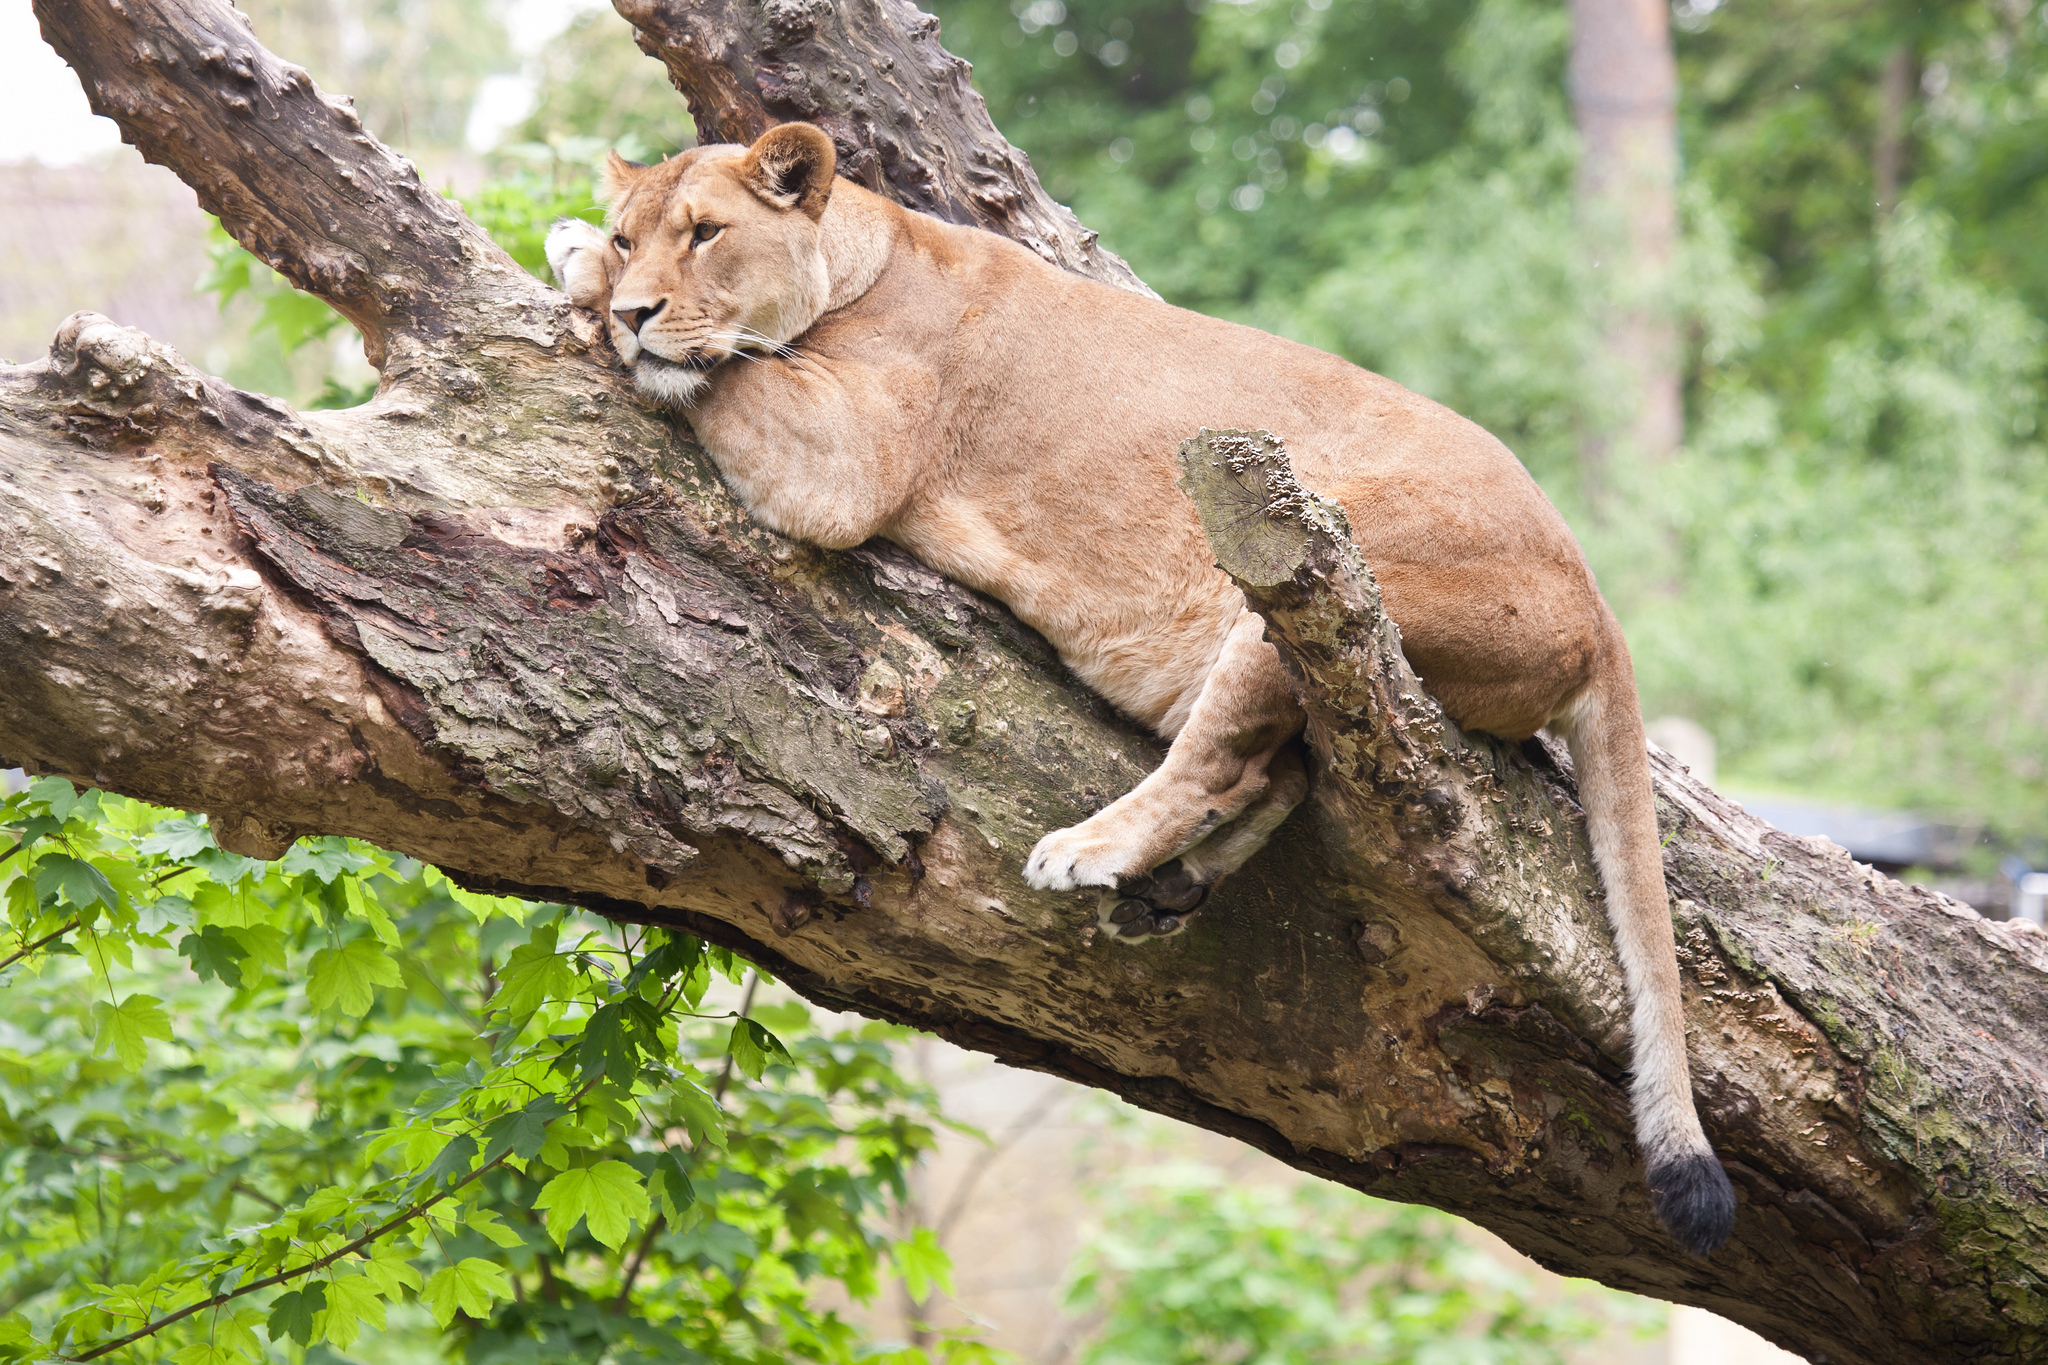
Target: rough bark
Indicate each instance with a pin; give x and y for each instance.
(505, 619)
(1624, 88)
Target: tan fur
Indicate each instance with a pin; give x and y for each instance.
(874, 372)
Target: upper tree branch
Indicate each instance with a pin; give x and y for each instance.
(288, 169)
(872, 74)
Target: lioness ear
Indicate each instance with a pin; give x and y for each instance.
(616, 177)
(791, 166)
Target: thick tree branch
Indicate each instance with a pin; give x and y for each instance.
(506, 620)
(872, 74)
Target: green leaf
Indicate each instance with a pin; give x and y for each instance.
(678, 956)
(369, 908)
(533, 975)
(326, 857)
(482, 907)
(31, 830)
(126, 1027)
(214, 953)
(390, 1268)
(615, 1037)
(701, 1113)
(352, 1303)
(291, 1313)
(263, 942)
(228, 868)
(522, 1132)
(60, 796)
(607, 1048)
(452, 1163)
(753, 1047)
(207, 1353)
(125, 877)
(562, 1139)
(63, 879)
(923, 1263)
(16, 1334)
(671, 1181)
(487, 1223)
(180, 838)
(346, 976)
(608, 1195)
(472, 1287)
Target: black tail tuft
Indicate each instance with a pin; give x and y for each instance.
(1694, 1201)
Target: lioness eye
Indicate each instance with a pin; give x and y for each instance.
(619, 241)
(706, 231)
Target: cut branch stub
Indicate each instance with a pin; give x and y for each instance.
(289, 170)
(1374, 729)
(897, 104)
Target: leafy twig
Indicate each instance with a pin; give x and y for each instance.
(46, 938)
(284, 1276)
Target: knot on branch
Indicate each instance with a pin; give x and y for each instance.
(99, 356)
(114, 384)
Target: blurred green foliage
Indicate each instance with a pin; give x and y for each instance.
(536, 184)
(336, 1108)
(1191, 1266)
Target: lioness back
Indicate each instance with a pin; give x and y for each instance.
(1059, 405)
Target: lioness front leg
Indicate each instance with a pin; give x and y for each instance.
(1161, 847)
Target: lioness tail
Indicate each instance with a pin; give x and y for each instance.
(1604, 730)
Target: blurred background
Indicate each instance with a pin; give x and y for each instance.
(1757, 289)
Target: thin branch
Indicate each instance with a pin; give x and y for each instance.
(245, 1188)
(284, 1276)
(746, 1006)
(657, 1222)
(907, 144)
(46, 938)
(956, 1204)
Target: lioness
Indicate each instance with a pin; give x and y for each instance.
(1015, 426)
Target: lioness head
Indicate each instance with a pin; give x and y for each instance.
(721, 254)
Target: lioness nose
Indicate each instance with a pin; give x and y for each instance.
(636, 318)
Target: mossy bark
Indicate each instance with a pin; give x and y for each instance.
(507, 619)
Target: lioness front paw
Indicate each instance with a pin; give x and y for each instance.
(1068, 859)
(583, 261)
(1157, 905)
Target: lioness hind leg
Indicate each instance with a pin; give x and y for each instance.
(1159, 904)
(1215, 771)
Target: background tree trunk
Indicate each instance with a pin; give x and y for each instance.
(507, 620)
(1888, 150)
(1624, 87)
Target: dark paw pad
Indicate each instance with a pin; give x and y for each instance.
(1154, 906)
